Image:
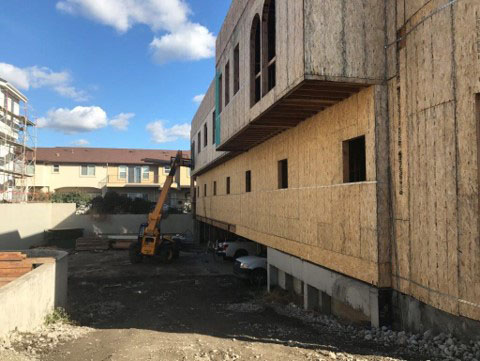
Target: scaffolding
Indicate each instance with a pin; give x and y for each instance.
(17, 147)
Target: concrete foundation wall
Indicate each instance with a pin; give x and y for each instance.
(358, 296)
(26, 301)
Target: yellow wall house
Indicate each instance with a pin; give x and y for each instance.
(98, 170)
(344, 136)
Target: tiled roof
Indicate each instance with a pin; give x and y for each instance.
(103, 155)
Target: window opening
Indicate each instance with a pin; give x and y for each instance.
(283, 174)
(354, 160)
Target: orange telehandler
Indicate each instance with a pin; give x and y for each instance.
(151, 242)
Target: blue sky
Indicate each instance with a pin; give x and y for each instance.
(111, 73)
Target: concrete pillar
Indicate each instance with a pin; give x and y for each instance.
(272, 277)
(282, 279)
(297, 286)
(289, 282)
(310, 297)
(325, 303)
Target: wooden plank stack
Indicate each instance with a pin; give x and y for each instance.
(92, 244)
(122, 243)
(12, 266)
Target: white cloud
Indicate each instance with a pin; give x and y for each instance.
(198, 98)
(182, 39)
(161, 134)
(121, 121)
(42, 77)
(80, 142)
(81, 120)
(191, 42)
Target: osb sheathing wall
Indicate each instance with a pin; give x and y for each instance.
(433, 138)
(318, 218)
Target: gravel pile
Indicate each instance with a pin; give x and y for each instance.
(42, 340)
(437, 347)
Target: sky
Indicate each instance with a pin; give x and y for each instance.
(111, 73)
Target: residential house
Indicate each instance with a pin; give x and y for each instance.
(138, 173)
(17, 152)
(344, 136)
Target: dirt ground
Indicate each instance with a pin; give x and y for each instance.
(193, 309)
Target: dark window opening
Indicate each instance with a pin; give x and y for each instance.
(199, 136)
(213, 127)
(228, 185)
(214, 188)
(205, 190)
(269, 46)
(255, 62)
(354, 160)
(248, 181)
(227, 83)
(220, 94)
(283, 174)
(192, 150)
(205, 134)
(236, 69)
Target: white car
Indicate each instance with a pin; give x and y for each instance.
(233, 249)
(251, 268)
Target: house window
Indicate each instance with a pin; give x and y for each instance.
(166, 169)
(248, 181)
(146, 172)
(269, 46)
(87, 170)
(192, 151)
(354, 160)
(56, 168)
(122, 172)
(228, 185)
(214, 188)
(255, 68)
(227, 83)
(205, 134)
(199, 136)
(236, 69)
(205, 190)
(213, 127)
(220, 93)
(283, 174)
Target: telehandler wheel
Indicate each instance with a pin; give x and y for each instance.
(135, 253)
(166, 254)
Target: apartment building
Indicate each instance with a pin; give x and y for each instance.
(17, 145)
(137, 173)
(344, 136)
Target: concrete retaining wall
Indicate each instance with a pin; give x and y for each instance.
(26, 301)
(126, 223)
(22, 225)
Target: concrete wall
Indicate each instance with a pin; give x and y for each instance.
(126, 223)
(22, 225)
(27, 300)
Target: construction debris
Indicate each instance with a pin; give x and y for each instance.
(92, 244)
(12, 266)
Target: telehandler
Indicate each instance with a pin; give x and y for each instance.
(151, 242)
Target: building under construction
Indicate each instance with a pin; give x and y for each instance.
(344, 136)
(17, 145)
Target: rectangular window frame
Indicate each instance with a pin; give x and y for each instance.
(122, 172)
(145, 172)
(56, 168)
(89, 170)
(227, 186)
(283, 174)
(205, 190)
(227, 83)
(205, 134)
(214, 188)
(220, 93)
(214, 114)
(236, 69)
(199, 136)
(354, 167)
(248, 181)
